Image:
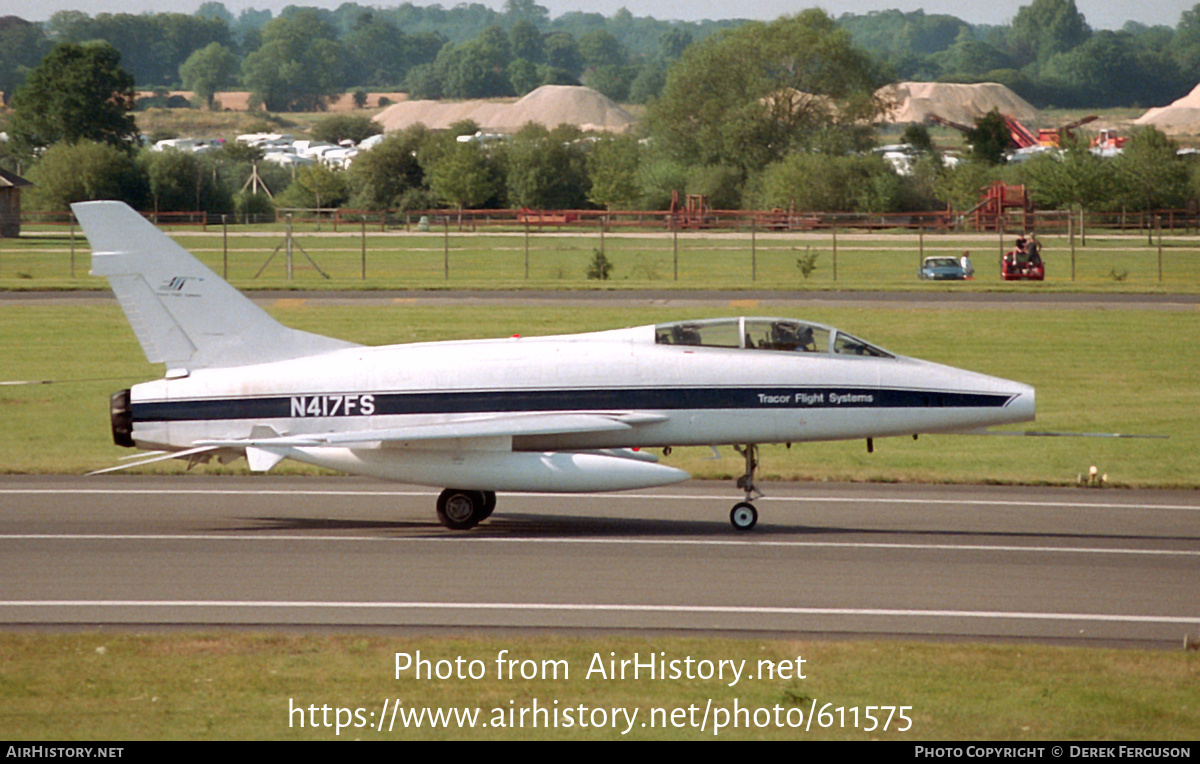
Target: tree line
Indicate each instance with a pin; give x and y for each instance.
(764, 115)
(1048, 54)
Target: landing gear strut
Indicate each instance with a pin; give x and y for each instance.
(460, 510)
(744, 516)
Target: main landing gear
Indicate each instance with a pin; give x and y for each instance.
(743, 515)
(460, 510)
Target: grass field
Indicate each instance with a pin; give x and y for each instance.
(244, 686)
(441, 260)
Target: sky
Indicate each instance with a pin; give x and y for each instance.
(1100, 14)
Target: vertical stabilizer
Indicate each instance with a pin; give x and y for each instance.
(183, 314)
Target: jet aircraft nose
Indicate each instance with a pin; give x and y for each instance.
(1023, 405)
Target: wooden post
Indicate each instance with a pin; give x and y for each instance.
(446, 248)
(527, 250)
(224, 248)
(72, 247)
(364, 247)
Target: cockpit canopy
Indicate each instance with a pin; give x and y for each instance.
(784, 334)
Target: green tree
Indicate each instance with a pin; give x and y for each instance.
(526, 41)
(824, 183)
(299, 64)
(77, 92)
(749, 96)
(464, 175)
(316, 186)
(1075, 179)
(207, 70)
(544, 171)
(85, 171)
(477, 69)
(345, 127)
(523, 75)
(990, 138)
(1045, 27)
(384, 177)
(612, 169)
(183, 181)
(1149, 172)
(22, 46)
(562, 52)
(961, 187)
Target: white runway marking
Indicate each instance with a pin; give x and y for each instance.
(596, 541)
(600, 607)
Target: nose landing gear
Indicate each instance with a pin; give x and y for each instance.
(744, 516)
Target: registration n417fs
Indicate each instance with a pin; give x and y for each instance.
(554, 414)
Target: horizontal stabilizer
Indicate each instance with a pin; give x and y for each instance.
(183, 314)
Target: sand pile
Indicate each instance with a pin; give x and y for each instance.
(1180, 117)
(549, 105)
(915, 101)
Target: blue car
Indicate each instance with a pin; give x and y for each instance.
(943, 269)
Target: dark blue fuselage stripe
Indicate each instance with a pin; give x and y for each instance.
(524, 401)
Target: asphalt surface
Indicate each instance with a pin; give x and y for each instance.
(1108, 567)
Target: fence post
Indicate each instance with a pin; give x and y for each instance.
(834, 232)
(289, 246)
(1071, 237)
(675, 249)
(364, 247)
(527, 249)
(1158, 225)
(224, 248)
(753, 250)
(446, 248)
(72, 246)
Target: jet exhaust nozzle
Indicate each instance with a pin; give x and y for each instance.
(121, 412)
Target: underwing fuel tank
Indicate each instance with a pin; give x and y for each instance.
(559, 472)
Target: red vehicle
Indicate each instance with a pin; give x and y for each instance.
(1023, 262)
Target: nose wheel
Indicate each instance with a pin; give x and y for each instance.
(744, 516)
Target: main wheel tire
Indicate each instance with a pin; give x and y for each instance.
(743, 516)
(460, 510)
(489, 505)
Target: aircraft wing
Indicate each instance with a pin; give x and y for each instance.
(491, 426)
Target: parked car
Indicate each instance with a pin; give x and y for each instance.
(942, 268)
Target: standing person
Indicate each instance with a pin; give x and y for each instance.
(965, 262)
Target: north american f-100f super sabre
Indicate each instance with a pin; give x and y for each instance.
(564, 414)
